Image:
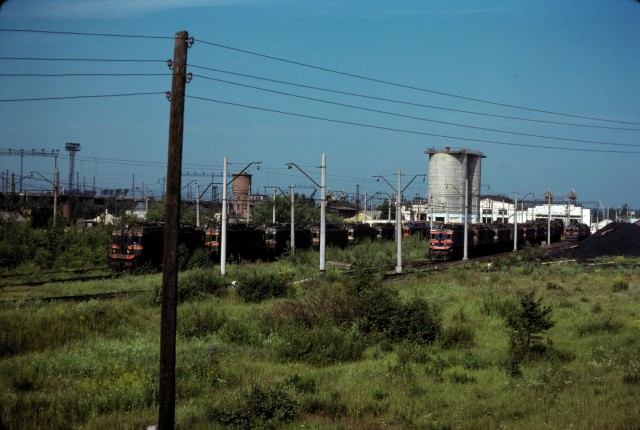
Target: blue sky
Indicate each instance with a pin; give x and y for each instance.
(459, 73)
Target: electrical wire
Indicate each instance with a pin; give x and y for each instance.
(398, 130)
(61, 75)
(79, 33)
(96, 96)
(98, 60)
(410, 87)
(328, 70)
(412, 103)
(416, 117)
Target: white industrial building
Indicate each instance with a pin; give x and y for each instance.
(498, 209)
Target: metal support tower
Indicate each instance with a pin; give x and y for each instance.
(72, 148)
(33, 153)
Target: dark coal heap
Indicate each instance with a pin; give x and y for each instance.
(614, 239)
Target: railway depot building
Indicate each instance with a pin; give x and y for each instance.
(500, 209)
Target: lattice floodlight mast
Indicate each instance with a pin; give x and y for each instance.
(72, 148)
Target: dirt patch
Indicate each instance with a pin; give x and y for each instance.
(614, 239)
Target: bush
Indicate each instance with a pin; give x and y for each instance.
(194, 285)
(257, 287)
(326, 305)
(415, 321)
(319, 346)
(605, 324)
(619, 285)
(257, 408)
(459, 333)
(198, 320)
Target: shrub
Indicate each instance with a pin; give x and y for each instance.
(415, 321)
(200, 258)
(240, 332)
(195, 284)
(198, 321)
(459, 333)
(377, 306)
(257, 408)
(619, 285)
(256, 287)
(319, 346)
(533, 253)
(605, 324)
(525, 325)
(326, 305)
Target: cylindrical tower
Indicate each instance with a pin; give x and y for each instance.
(449, 170)
(241, 193)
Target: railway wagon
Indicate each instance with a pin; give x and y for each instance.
(576, 232)
(142, 244)
(334, 236)
(278, 239)
(244, 242)
(357, 233)
(386, 231)
(415, 228)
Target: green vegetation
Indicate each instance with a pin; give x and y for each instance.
(24, 249)
(519, 345)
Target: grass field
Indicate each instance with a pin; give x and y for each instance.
(431, 351)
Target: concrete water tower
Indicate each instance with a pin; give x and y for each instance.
(449, 170)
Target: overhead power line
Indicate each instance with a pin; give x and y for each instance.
(82, 33)
(95, 96)
(63, 75)
(100, 60)
(410, 87)
(413, 103)
(398, 130)
(416, 117)
(328, 70)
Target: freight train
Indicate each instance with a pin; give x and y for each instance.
(446, 242)
(141, 244)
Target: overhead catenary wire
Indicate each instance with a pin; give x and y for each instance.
(494, 130)
(399, 130)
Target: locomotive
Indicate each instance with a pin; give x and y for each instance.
(446, 242)
(137, 245)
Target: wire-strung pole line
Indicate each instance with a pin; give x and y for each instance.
(399, 130)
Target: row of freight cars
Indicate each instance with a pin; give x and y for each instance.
(142, 244)
(446, 242)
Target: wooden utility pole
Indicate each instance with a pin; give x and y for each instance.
(167, 391)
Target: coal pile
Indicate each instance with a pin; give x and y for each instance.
(614, 239)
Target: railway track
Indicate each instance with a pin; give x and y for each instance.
(77, 298)
(17, 280)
